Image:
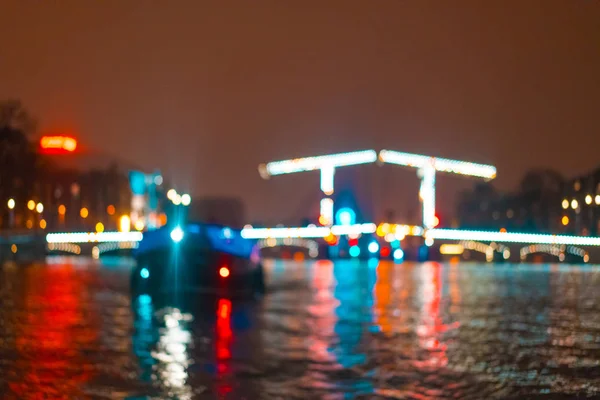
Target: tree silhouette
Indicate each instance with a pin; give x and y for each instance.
(19, 162)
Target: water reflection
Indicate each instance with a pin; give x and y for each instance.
(331, 330)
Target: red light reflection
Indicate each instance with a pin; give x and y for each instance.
(431, 326)
(224, 334)
(224, 337)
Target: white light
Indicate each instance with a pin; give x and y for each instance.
(390, 237)
(506, 254)
(574, 204)
(398, 254)
(84, 237)
(465, 168)
(429, 242)
(177, 235)
(327, 211)
(406, 159)
(506, 237)
(373, 247)
(355, 229)
(171, 194)
(565, 204)
(427, 194)
(39, 208)
(597, 200)
(318, 162)
(327, 174)
(277, 233)
(177, 199)
(11, 204)
(588, 199)
(307, 231)
(440, 164)
(186, 199)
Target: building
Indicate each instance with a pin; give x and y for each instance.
(580, 204)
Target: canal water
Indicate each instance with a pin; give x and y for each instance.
(69, 328)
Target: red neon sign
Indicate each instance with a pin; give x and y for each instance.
(58, 144)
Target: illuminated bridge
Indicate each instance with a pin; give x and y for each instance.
(374, 239)
(560, 246)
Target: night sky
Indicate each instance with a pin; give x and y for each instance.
(205, 91)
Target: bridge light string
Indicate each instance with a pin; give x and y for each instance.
(326, 217)
(427, 195)
(317, 162)
(440, 164)
(327, 175)
(510, 237)
(307, 232)
(85, 237)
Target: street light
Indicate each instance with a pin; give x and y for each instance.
(588, 199)
(11, 213)
(100, 227)
(171, 194)
(124, 223)
(574, 204)
(39, 208)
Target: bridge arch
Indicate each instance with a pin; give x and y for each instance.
(560, 252)
(70, 248)
(487, 249)
(311, 246)
(102, 248)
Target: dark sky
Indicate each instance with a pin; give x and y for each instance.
(206, 91)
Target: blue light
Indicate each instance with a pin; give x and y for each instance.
(177, 235)
(398, 254)
(227, 233)
(354, 251)
(345, 216)
(373, 247)
(145, 299)
(144, 273)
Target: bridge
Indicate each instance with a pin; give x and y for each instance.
(427, 168)
(383, 239)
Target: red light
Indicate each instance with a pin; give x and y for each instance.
(385, 252)
(353, 242)
(224, 272)
(224, 308)
(61, 144)
(224, 333)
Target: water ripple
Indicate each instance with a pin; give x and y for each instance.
(326, 330)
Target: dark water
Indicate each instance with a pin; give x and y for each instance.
(69, 329)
